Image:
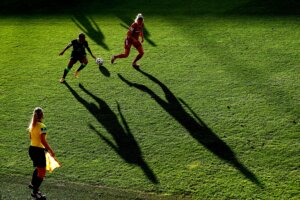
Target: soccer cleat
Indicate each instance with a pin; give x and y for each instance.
(76, 74)
(30, 186)
(113, 58)
(62, 80)
(38, 195)
(135, 66)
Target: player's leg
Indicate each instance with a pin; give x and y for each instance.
(38, 157)
(139, 56)
(84, 62)
(67, 69)
(34, 175)
(123, 55)
(41, 172)
(127, 46)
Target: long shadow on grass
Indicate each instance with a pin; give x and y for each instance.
(90, 27)
(193, 124)
(266, 7)
(156, 7)
(127, 21)
(126, 145)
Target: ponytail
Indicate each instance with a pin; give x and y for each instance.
(36, 117)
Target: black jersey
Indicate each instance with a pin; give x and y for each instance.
(79, 48)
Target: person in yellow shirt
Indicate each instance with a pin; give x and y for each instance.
(38, 146)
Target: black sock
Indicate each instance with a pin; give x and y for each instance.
(38, 182)
(34, 175)
(66, 71)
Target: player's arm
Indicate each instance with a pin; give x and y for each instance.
(129, 33)
(63, 51)
(46, 145)
(142, 36)
(89, 50)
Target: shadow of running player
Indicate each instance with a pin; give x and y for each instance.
(193, 124)
(125, 143)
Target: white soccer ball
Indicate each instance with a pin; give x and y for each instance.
(99, 61)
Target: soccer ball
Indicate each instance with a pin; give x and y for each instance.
(99, 61)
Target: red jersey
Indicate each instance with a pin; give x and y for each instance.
(135, 30)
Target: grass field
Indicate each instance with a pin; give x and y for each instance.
(212, 114)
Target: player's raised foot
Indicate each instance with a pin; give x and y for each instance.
(135, 66)
(62, 80)
(113, 58)
(38, 195)
(76, 74)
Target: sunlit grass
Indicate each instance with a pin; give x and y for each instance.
(236, 77)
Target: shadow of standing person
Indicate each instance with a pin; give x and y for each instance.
(126, 145)
(193, 124)
(90, 28)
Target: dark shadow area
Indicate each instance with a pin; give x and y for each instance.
(126, 145)
(21, 7)
(193, 124)
(104, 71)
(127, 21)
(267, 7)
(90, 28)
(153, 7)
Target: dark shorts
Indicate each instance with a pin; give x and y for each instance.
(128, 43)
(77, 56)
(37, 156)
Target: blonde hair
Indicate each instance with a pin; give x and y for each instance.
(37, 116)
(139, 16)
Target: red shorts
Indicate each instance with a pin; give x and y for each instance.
(128, 42)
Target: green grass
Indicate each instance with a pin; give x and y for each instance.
(214, 113)
(70, 190)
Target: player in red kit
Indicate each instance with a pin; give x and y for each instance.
(134, 32)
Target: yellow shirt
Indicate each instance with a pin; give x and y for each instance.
(35, 134)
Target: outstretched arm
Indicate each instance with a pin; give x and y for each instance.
(63, 51)
(89, 50)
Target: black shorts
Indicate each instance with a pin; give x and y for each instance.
(77, 56)
(37, 156)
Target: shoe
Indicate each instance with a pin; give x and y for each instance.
(30, 186)
(113, 58)
(76, 74)
(135, 66)
(38, 195)
(62, 80)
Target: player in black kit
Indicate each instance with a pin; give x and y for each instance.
(78, 54)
